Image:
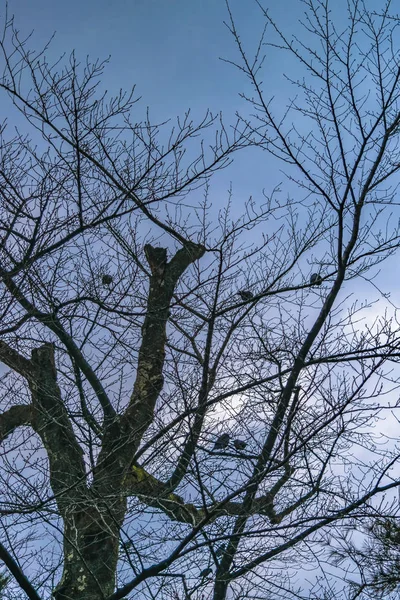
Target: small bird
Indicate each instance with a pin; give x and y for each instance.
(220, 550)
(106, 279)
(246, 295)
(239, 444)
(222, 442)
(315, 279)
(206, 572)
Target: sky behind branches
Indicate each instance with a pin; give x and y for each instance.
(170, 50)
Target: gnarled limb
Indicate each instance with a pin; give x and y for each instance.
(51, 321)
(153, 492)
(52, 424)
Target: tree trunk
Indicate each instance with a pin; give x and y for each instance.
(91, 542)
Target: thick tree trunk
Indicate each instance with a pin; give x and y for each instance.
(93, 516)
(91, 522)
(91, 541)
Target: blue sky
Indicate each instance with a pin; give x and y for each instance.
(171, 51)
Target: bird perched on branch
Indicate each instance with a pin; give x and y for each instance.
(315, 279)
(222, 442)
(245, 295)
(206, 572)
(239, 444)
(106, 279)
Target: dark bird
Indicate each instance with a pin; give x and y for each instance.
(239, 444)
(315, 279)
(106, 279)
(246, 295)
(220, 551)
(206, 572)
(222, 442)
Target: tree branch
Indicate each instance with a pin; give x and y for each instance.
(17, 572)
(14, 417)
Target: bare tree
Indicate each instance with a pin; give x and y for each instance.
(190, 397)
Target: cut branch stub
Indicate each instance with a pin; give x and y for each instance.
(157, 259)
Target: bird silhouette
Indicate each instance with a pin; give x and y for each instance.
(106, 279)
(246, 295)
(222, 442)
(315, 279)
(239, 444)
(206, 572)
